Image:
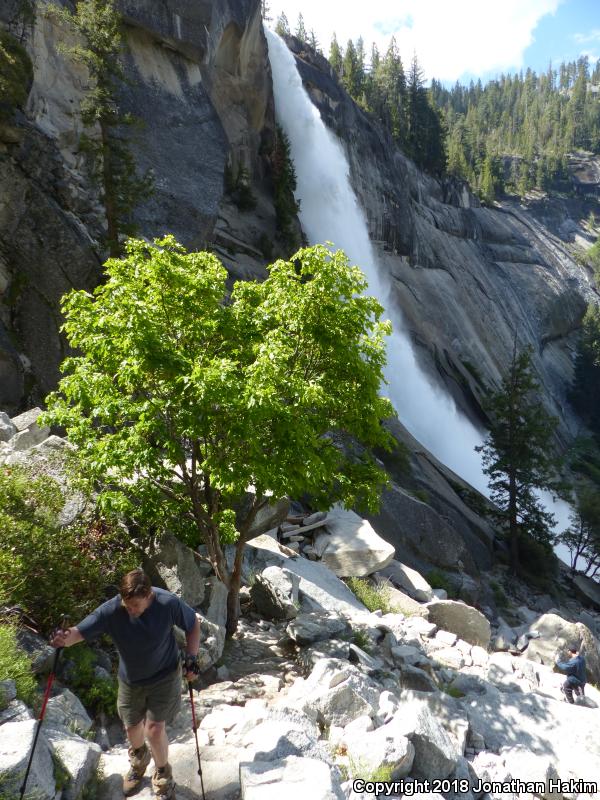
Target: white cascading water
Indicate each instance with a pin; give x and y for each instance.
(329, 212)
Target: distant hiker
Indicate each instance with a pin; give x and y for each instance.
(140, 621)
(576, 675)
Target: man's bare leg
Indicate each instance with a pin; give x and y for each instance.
(135, 734)
(159, 744)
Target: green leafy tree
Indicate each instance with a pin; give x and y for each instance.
(100, 29)
(517, 458)
(185, 394)
(284, 179)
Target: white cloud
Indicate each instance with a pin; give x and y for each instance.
(584, 38)
(450, 37)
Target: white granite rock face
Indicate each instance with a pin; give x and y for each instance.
(16, 741)
(292, 778)
(354, 549)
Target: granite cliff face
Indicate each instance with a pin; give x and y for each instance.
(198, 78)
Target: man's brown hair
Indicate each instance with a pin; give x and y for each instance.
(135, 584)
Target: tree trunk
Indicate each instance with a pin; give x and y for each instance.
(513, 526)
(110, 206)
(233, 597)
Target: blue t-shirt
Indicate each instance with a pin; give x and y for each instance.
(146, 644)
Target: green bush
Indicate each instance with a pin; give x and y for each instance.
(15, 665)
(373, 597)
(539, 564)
(95, 693)
(361, 639)
(437, 580)
(47, 569)
(16, 74)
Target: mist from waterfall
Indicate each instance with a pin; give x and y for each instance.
(330, 212)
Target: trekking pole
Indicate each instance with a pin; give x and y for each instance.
(63, 625)
(195, 729)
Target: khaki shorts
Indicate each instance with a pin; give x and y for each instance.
(158, 702)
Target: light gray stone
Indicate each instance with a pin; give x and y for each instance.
(505, 636)
(24, 421)
(448, 656)
(313, 627)
(78, 756)
(293, 778)
(8, 691)
(177, 568)
(440, 594)
(16, 711)
(354, 549)
(384, 747)
(408, 580)
(465, 621)
(66, 710)
(522, 764)
(416, 679)
(40, 653)
(16, 741)
(7, 428)
(275, 593)
(446, 638)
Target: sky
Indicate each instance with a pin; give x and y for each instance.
(458, 39)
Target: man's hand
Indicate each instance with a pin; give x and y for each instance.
(191, 668)
(65, 637)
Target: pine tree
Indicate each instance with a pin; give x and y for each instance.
(265, 11)
(352, 74)
(301, 30)
(335, 56)
(516, 456)
(313, 41)
(100, 27)
(282, 27)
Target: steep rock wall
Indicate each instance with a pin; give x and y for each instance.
(466, 278)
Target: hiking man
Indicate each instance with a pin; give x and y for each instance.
(140, 621)
(576, 675)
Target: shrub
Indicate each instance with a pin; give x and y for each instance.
(539, 564)
(95, 693)
(373, 597)
(437, 580)
(15, 665)
(47, 569)
(361, 639)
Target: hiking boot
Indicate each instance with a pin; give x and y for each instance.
(138, 760)
(163, 783)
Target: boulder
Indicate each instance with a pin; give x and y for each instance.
(8, 692)
(212, 623)
(275, 593)
(403, 604)
(556, 635)
(29, 433)
(292, 777)
(78, 756)
(320, 590)
(384, 747)
(7, 428)
(309, 628)
(15, 711)
(505, 636)
(521, 764)
(409, 580)
(66, 710)
(40, 653)
(436, 754)
(465, 621)
(269, 517)
(588, 590)
(16, 741)
(354, 549)
(177, 569)
(416, 679)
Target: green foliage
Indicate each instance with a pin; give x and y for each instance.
(100, 29)
(282, 28)
(284, 179)
(361, 769)
(438, 580)
(361, 639)
(16, 75)
(499, 594)
(373, 596)
(99, 695)
(45, 568)
(179, 400)
(451, 690)
(239, 188)
(538, 563)
(517, 456)
(15, 664)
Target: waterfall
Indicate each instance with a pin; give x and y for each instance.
(330, 212)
